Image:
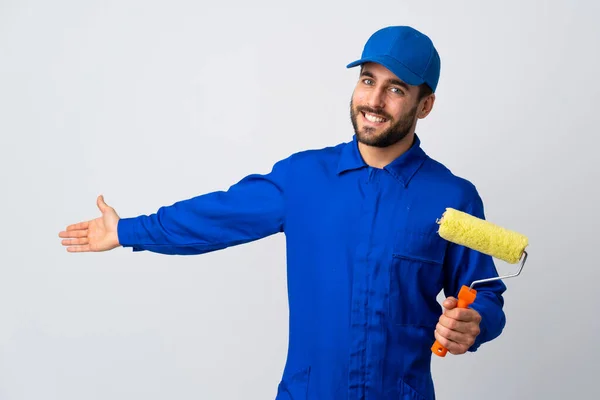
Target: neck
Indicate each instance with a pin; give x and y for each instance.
(379, 157)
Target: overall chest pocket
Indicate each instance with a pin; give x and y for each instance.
(416, 278)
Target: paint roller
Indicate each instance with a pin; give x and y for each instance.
(483, 236)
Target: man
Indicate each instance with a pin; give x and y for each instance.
(365, 262)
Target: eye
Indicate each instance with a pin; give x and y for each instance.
(396, 90)
(367, 81)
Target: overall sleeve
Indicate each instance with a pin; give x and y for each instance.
(462, 267)
(251, 209)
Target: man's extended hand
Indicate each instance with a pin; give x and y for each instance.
(99, 234)
(457, 327)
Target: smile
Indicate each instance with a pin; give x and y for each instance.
(373, 118)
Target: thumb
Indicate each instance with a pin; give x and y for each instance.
(101, 204)
(450, 303)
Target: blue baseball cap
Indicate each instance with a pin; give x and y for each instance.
(408, 53)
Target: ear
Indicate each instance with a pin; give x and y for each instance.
(426, 106)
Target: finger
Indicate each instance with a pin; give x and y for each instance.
(463, 314)
(72, 242)
(450, 345)
(455, 336)
(73, 234)
(450, 303)
(101, 204)
(78, 226)
(454, 324)
(78, 249)
(471, 328)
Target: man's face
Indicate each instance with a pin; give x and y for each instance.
(383, 108)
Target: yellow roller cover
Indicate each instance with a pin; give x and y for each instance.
(475, 233)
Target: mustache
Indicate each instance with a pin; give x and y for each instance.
(377, 111)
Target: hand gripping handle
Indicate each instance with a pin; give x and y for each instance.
(466, 297)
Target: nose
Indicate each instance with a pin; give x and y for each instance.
(376, 98)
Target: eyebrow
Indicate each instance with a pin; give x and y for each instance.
(390, 81)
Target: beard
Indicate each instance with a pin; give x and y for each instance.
(395, 133)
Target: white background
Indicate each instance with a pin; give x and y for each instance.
(152, 102)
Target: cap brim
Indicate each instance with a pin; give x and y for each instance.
(394, 66)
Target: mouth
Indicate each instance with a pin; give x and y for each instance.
(373, 118)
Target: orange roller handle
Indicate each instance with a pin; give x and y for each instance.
(466, 297)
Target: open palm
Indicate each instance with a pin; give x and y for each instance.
(99, 234)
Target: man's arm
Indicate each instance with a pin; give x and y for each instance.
(251, 209)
